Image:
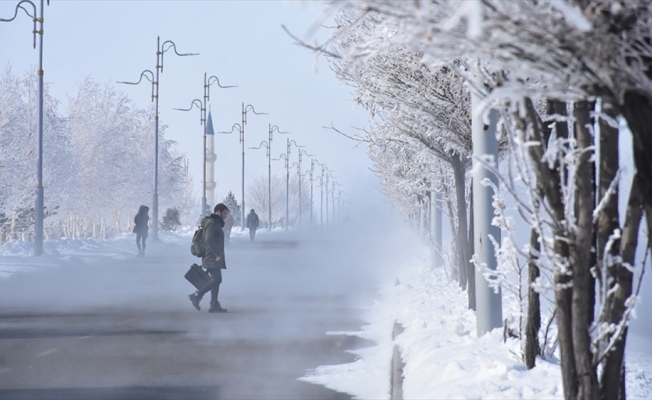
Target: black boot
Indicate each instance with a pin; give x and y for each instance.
(216, 308)
(195, 299)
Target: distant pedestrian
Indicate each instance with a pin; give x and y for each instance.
(213, 260)
(252, 224)
(228, 225)
(141, 228)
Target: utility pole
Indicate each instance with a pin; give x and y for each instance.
(286, 157)
(268, 145)
(245, 110)
(203, 105)
(312, 171)
(154, 78)
(485, 145)
(301, 152)
(241, 130)
(39, 208)
(287, 181)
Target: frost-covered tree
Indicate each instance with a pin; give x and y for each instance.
(98, 161)
(234, 207)
(18, 155)
(546, 51)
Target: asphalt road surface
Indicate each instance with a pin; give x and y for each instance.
(115, 326)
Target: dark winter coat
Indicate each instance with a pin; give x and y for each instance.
(140, 224)
(214, 242)
(252, 220)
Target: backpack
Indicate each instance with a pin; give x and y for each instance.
(198, 247)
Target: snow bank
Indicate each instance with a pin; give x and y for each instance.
(443, 356)
(17, 256)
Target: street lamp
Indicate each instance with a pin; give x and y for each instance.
(287, 199)
(339, 204)
(334, 182)
(287, 184)
(324, 175)
(241, 130)
(268, 145)
(154, 79)
(202, 121)
(40, 201)
(301, 152)
(312, 171)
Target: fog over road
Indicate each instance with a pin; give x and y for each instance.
(111, 328)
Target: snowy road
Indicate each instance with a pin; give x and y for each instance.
(112, 326)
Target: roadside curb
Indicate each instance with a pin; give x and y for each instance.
(396, 373)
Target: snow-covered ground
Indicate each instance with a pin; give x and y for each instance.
(443, 356)
(16, 256)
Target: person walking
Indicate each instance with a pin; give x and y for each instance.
(228, 225)
(141, 229)
(252, 224)
(213, 260)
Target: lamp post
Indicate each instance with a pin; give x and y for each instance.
(37, 15)
(287, 186)
(268, 145)
(324, 168)
(339, 204)
(312, 171)
(333, 196)
(301, 152)
(202, 121)
(287, 197)
(326, 198)
(161, 49)
(269, 181)
(241, 130)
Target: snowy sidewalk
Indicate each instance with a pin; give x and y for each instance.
(444, 358)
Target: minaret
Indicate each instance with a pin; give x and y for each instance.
(210, 163)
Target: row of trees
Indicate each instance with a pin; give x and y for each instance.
(561, 74)
(98, 165)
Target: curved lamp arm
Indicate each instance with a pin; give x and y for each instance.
(173, 46)
(263, 143)
(19, 6)
(147, 74)
(140, 79)
(249, 107)
(195, 102)
(214, 79)
(236, 125)
(276, 129)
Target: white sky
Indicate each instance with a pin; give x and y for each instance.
(241, 42)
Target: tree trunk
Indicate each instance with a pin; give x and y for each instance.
(608, 220)
(613, 376)
(533, 323)
(462, 230)
(637, 110)
(580, 257)
(551, 184)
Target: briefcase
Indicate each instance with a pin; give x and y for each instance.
(197, 276)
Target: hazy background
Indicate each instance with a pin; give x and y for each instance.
(241, 42)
